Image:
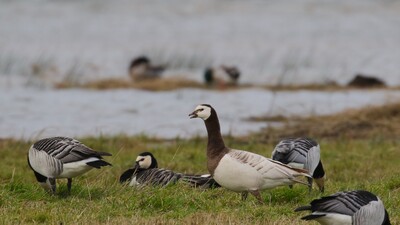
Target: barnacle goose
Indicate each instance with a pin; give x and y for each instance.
(146, 172)
(348, 208)
(238, 170)
(302, 153)
(62, 157)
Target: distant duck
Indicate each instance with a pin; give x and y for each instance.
(238, 170)
(364, 81)
(62, 157)
(146, 172)
(222, 75)
(142, 69)
(302, 153)
(348, 208)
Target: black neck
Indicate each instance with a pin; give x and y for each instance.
(215, 143)
(386, 221)
(319, 171)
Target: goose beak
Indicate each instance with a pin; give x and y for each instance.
(137, 166)
(193, 115)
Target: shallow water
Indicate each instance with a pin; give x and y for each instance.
(31, 113)
(307, 41)
(272, 42)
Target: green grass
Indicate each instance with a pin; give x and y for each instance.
(97, 197)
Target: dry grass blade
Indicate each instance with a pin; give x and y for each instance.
(376, 121)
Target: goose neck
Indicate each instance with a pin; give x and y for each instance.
(215, 141)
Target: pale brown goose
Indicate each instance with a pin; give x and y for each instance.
(238, 170)
(302, 153)
(347, 208)
(62, 157)
(146, 172)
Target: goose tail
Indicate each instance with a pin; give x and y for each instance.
(202, 181)
(301, 173)
(303, 208)
(98, 163)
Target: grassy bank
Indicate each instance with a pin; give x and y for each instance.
(97, 197)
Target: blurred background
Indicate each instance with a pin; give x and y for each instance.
(50, 50)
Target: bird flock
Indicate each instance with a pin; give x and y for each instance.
(294, 161)
(141, 68)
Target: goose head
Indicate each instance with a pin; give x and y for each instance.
(44, 182)
(202, 111)
(319, 176)
(146, 160)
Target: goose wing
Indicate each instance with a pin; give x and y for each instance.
(347, 203)
(157, 176)
(66, 149)
(363, 207)
(372, 213)
(202, 181)
(269, 168)
(303, 151)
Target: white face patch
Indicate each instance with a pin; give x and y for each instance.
(203, 112)
(144, 161)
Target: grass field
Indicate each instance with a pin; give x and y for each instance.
(98, 198)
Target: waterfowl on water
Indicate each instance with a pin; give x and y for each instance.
(239, 170)
(302, 153)
(146, 172)
(347, 208)
(62, 157)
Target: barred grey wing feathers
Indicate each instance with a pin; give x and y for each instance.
(156, 176)
(67, 149)
(62, 157)
(357, 207)
(301, 150)
(343, 202)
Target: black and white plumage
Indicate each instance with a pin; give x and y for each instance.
(141, 69)
(62, 157)
(302, 153)
(146, 172)
(238, 170)
(222, 75)
(348, 208)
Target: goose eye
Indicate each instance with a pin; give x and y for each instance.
(201, 110)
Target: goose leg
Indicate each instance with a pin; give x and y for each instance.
(244, 195)
(69, 184)
(257, 194)
(52, 182)
(310, 183)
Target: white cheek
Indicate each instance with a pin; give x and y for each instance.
(145, 164)
(204, 114)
